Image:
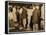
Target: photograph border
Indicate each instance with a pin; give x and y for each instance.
(6, 16)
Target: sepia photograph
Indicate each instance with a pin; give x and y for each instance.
(25, 16)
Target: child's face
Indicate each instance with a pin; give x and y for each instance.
(14, 9)
(18, 8)
(37, 7)
(34, 7)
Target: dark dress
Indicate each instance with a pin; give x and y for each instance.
(35, 19)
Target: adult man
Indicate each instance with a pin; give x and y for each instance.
(19, 16)
(24, 17)
(29, 14)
